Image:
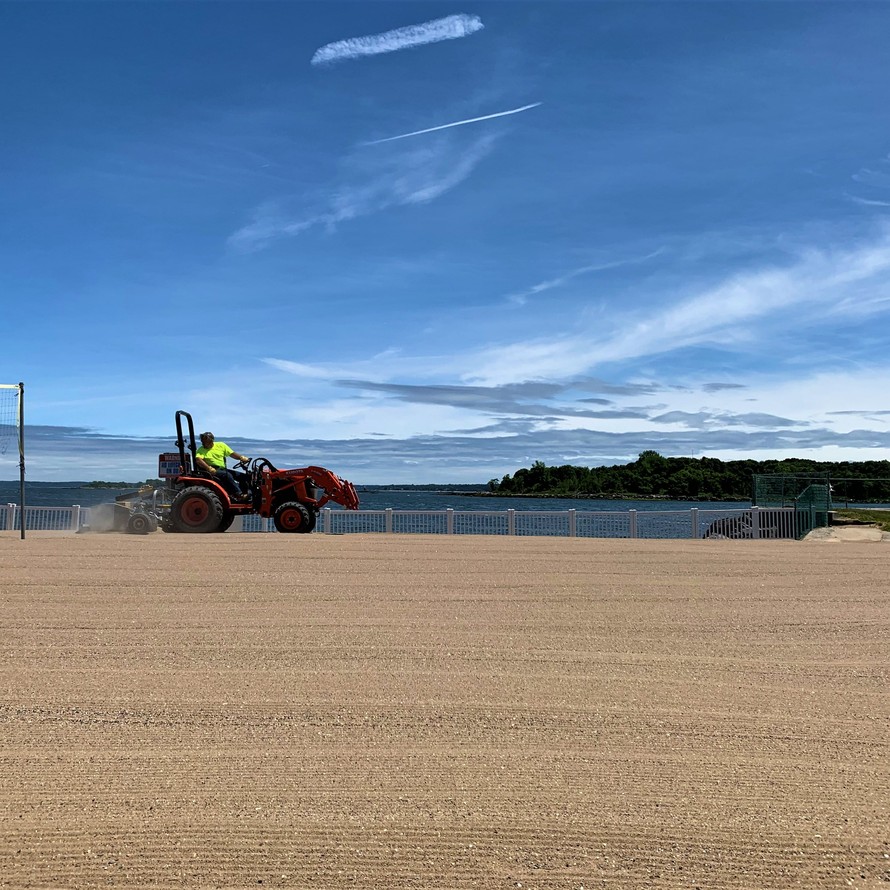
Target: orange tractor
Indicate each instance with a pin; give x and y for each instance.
(195, 502)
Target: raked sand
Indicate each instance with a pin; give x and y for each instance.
(373, 711)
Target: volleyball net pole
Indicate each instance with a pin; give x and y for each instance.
(9, 420)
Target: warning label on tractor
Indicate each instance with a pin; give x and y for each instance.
(169, 465)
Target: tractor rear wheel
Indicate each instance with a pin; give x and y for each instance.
(293, 516)
(196, 509)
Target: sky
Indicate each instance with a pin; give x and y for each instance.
(422, 242)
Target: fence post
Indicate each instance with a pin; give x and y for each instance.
(511, 521)
(695, 527)
(755, 523)
(573, 526)
(449, 520)
(10, 517)
(633, 523)
(326, 520)
(75, 517)
(389, 519)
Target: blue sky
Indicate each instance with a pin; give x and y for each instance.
(682, 244)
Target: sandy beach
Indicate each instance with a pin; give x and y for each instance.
(455, 712)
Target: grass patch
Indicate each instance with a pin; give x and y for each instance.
(880, 518)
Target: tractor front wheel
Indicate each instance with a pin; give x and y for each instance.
(293, 517)
(196, 509)
(227, 521)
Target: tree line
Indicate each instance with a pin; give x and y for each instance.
(688, 478)
(101, 483)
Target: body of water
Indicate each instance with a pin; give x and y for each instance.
(64, 494)
(431, 500)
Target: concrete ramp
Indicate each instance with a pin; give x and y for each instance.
(848, 533)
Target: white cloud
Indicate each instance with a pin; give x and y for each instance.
(370, 186)
(727, 313)
(878, 178)
(388, 364)
(866, 202)
(820, 397)
(451, 27)
(427, 188)
(299, 369)
(521, 298)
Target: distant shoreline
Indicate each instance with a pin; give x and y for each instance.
(585, 496)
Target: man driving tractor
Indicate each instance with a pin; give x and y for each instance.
(211, 457)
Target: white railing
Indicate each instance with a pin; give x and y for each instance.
(42, 519)
(753, 523)
(695, 523)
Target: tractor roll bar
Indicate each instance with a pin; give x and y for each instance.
(180, 442)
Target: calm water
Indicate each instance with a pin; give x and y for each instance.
(64, 494)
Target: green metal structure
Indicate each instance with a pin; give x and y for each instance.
(809, 495)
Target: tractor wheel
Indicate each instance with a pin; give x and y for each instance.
(142, 524)
(196, 509)
(293, 517)
(227, 520)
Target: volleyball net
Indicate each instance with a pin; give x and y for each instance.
(11, 426)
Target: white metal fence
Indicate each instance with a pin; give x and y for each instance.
(39, 519)
(694, 523)
(753, 523)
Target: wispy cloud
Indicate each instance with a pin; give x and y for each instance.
(720, 387)
(521, 298)
(533, 399)
(874, 177)
(406, 178)
(300, 369)
(866, 202)
(705, 419)
(877, 178)
(743, 306)
(594, 384)
(451, 27)
(470, 120)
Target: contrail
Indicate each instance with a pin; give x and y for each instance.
(449, 28)
(472, 120)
